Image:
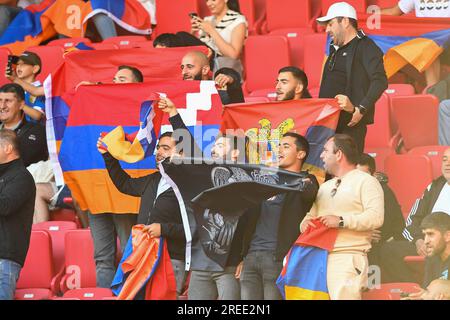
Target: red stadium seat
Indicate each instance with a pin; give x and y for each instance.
(391, 291)
(400, 89)
(264, 56)
(417, 119)
(51, 58)
(36, 277)
(89, 294)
(435, 154)
(383, 3)
(408, 176)
(4, 53)
(289, 14)
(79, 261)
(379, 134)
(314, 59)
(57, 231)
(103, 46)
(65, 215)
(67, 43)
(417, 266)
(359, 5)
(123, 42)
(173, 17)
(379, 154)
(297, 44)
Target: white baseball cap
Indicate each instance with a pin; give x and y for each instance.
(339, 9)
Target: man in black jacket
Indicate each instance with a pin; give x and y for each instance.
(353, 73)
(274, 227)
(435, 198)
(32, 139)
(17, 195)
(159, 209)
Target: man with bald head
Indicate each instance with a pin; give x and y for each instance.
(195, 66)
(435, 198)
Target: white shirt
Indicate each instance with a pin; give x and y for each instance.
(426, 9)
(443, 202)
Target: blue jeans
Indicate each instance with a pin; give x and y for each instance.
(9, 274)
(105, 26)
(105, 228)
(208, 285)
(259, 274)
(180, 275)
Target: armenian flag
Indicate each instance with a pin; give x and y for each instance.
(265, 124)
(304, 275)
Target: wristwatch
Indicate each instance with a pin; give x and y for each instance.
(341, 222)
(362, 109)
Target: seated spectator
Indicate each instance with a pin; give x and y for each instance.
(166, 40)
(436, 229)
(423, 9)
(436, 198)
(124, 74)
(195, 66)
(224, 31)
(393, 218)
(32, 139)
(444, 123)
(9, 9)
(292, 84)
(28, 67)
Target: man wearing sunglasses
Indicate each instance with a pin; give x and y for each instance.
(352, 202)
(354, 72)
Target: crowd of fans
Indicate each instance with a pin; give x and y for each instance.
(355, 199)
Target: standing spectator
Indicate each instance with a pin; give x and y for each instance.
(444, 123)
(17, 192)
(353, 73)
(435, 198)
(195, 66)
(224, 31)
(28, 67)
(159, 209)
(353, 203)
(273, 227)
(209, 280)
(394, 222)
(32, 140)
(292, 84)
(436, 230)
(106, 227)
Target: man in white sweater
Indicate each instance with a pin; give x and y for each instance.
(353, 202)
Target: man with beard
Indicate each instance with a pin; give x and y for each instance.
(353, 203)
(292, 84)
(354, 72)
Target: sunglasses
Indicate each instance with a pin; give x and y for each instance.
(338, 183)
(332, 61)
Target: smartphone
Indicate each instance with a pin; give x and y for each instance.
(12, 60)
(193, 14)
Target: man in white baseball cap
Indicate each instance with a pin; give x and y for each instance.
(354, 72)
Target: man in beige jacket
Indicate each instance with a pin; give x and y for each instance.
(353, 202)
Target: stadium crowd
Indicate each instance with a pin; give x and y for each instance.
(355, 199)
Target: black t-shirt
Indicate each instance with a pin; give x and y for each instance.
(435, 268)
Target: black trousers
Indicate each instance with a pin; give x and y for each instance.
(393, 268)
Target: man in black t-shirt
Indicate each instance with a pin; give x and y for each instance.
(436, 229)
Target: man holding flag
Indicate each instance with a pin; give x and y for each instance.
(353, 203)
